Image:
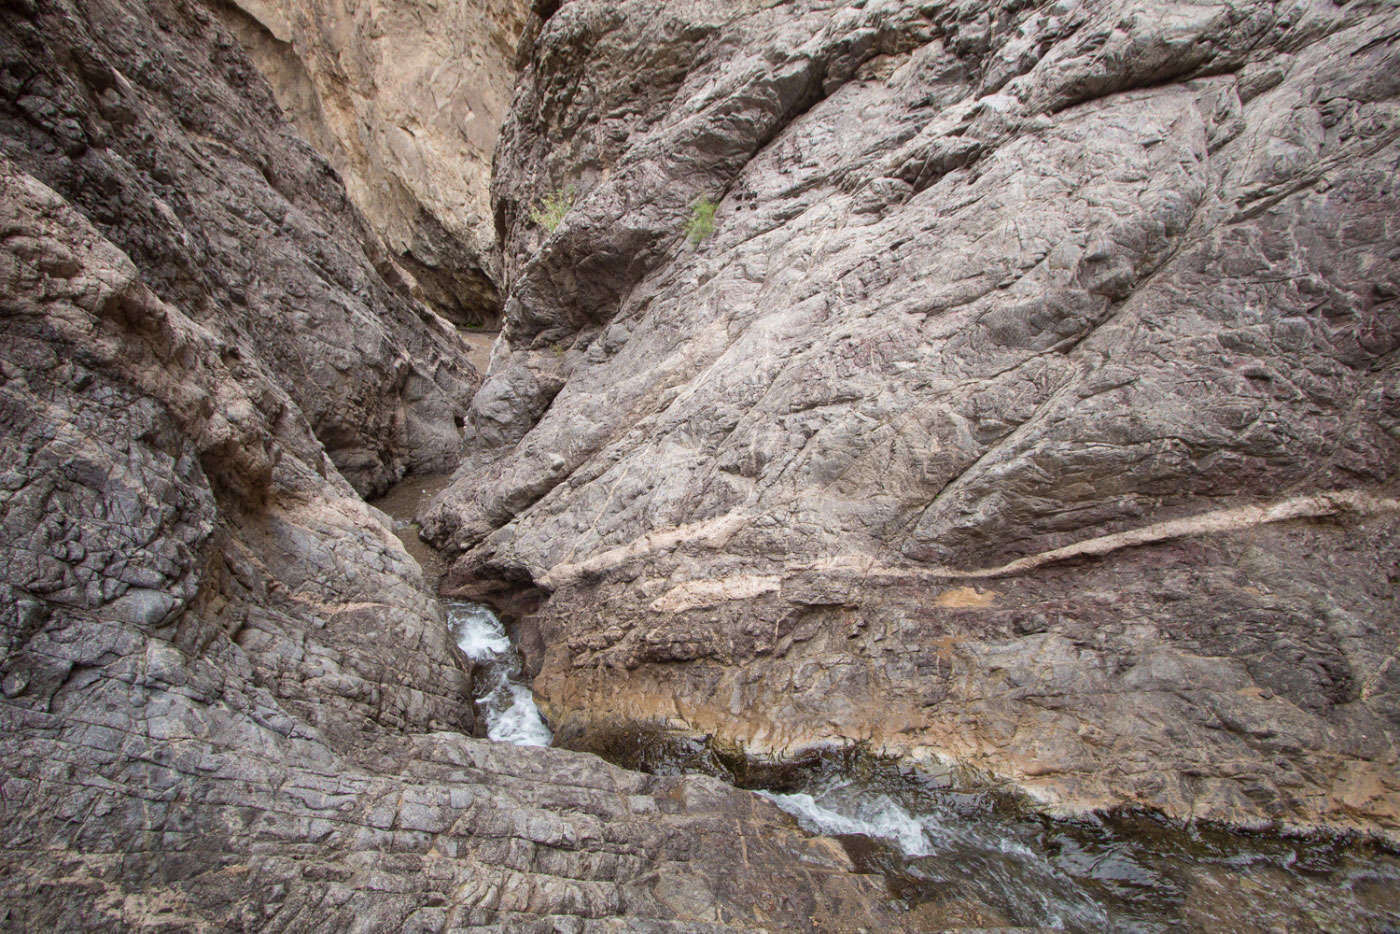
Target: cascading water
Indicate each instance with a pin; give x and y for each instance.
(939, 845)
(940, 848)
(1127, 874)
(505, 702)
(962, 854)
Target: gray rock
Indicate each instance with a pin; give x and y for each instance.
(1030, 406)
(159, 131)
(231, 703)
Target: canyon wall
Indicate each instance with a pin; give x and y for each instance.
(229, 700)
(404, 99)
(1030, 410)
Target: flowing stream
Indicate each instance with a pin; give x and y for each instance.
(970, 857)
(1126, 873)
(961, 856)
(502, 698)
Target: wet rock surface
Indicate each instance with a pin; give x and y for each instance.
(1032, 403)
(229, 700)
(404, 99)
(958, 856)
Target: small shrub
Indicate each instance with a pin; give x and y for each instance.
(550, 211)
(702, 220)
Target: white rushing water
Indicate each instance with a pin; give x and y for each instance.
(877, 816)
(940, 844)
(506, 703)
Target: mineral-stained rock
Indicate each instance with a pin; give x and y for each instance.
(1032, 405)
(405, 100)
(229, 702)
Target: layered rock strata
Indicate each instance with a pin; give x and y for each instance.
(159, 131)
(229, 701)
(1031, 407)
(405, 101)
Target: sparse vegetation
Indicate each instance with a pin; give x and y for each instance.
(549, 212)
(702, 220)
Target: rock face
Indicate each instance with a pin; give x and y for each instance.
(1031, 407)
(229, 702)
(405, 100)
(189, 170)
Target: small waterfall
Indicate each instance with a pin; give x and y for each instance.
(505, 702)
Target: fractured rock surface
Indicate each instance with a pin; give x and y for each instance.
(405, 100)
(229, 701)
(1032, 405)
(158, 129)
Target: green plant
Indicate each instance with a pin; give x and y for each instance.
(549, 212)
(702, 220)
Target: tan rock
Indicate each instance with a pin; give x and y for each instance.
(405, 99)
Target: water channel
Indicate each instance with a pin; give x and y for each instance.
(977, 856)
(965, 854)
(502, 698)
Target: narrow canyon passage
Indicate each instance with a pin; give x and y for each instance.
(501, 694)
(665, 458)
(700, 466)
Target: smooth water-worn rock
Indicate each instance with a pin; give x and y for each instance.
(1031, 406)
(230, 702)
(405, 100)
